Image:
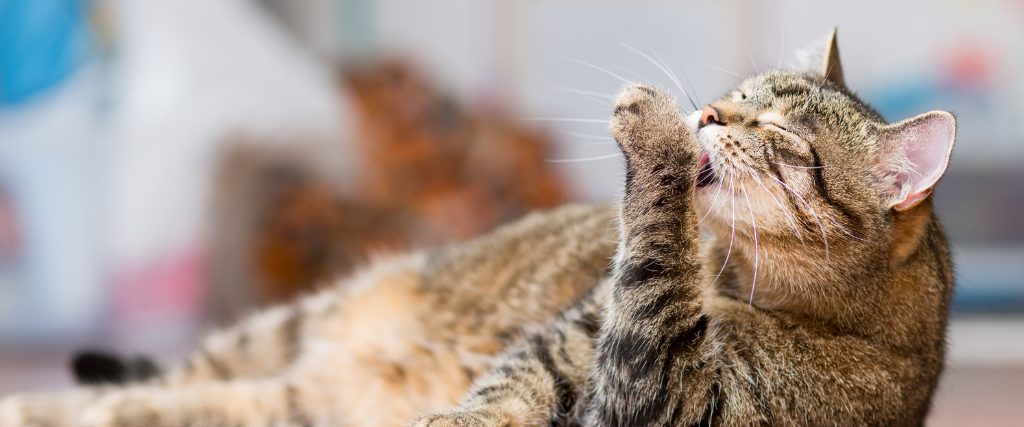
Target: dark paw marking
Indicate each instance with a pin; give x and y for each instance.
(631, 108)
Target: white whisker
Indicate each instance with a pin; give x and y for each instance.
(782, 208)
(732, 235)
(584, 92)
(585, 159)
(586, 136)
(722, 70)
(752, 62)
(800, 167)
(662, 66)
(848, 233)
(813, 215)
(563, 119)
(712, 206)
(757, 254)
(599, 69)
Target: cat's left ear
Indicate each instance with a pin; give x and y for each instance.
(915, 153)
(822, 58)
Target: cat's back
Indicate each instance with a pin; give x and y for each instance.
(524, 273)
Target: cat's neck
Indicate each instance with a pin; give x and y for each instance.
(800, 278)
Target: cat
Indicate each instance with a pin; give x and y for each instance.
(774, 260)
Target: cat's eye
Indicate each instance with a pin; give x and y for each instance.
(764, 124)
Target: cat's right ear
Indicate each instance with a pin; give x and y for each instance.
(914, 155)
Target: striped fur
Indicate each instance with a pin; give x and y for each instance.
(779, 285)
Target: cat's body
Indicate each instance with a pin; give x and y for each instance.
(818, 295)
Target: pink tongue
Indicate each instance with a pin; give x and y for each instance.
(703, 160)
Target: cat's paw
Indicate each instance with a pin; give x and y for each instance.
(459, 419)
(120, 410)
(44, 410)
(648, 123)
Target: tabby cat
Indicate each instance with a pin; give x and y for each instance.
(816, 293)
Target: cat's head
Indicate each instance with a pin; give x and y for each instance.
(796, 156)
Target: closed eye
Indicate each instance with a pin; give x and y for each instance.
(766, 124)
(777, 126)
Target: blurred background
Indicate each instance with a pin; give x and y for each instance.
(168, 165)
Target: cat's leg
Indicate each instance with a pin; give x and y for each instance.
(256, 403)
(649, 356)
(541, 382)
(46, 409)
(262, 345)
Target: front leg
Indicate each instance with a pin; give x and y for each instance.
(651, 367)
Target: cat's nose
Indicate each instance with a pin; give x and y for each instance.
(710, 115)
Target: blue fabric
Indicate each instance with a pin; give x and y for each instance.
(41, 43)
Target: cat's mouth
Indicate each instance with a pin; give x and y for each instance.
(705, 175)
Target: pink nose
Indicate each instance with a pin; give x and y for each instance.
(709, 115)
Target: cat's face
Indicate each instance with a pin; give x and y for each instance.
(796, 158)
(789, 155)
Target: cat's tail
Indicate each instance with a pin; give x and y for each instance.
(92, 367)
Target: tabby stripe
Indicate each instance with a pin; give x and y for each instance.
(819, 180)
(563, 387)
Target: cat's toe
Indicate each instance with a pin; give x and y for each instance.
(457, 419)
(646, 119)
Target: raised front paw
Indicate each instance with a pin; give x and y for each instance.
(647, 124)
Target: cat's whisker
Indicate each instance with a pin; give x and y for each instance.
(782, 208)
(599, 69)
(847, 232)
(711, 207)
(587, 136)
(800, 167)
(752, 62)
(639, 77)
(565, 119)
(593, 96)
(584, 159)
(722, 70)
(812, 213)
(732, 235)
(757, 255)
(587, 144)
(662, 66)
(692, 89)
(584, 92)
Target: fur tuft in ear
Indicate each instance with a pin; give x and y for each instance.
(914, 155)
(822, 58)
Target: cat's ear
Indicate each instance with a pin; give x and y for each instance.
(914, 154)
(830, 66)
(822, 58)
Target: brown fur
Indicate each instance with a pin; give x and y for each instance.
(817, 295)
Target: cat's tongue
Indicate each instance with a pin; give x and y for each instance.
(705, 174)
